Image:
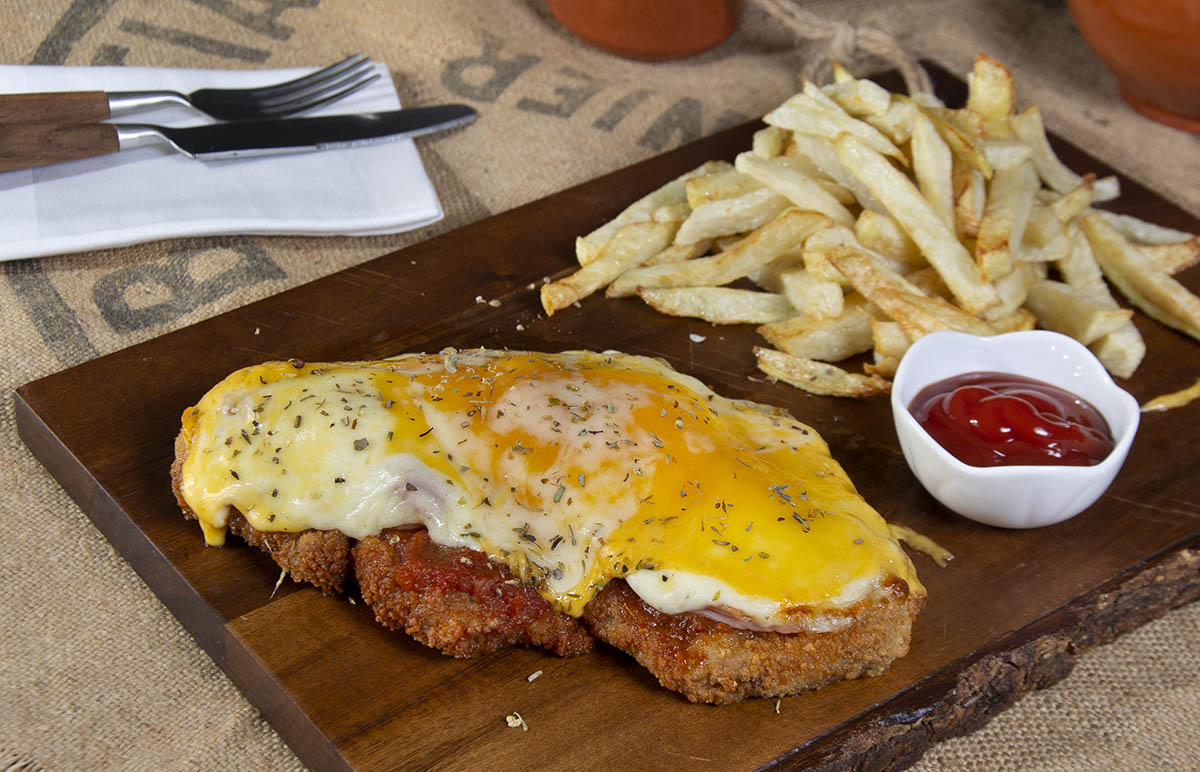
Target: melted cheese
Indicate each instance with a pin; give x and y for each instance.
(572, 469)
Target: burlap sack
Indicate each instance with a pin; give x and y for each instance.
(95, 674)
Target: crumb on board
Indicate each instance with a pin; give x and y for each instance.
(514, 720)
(535, 675)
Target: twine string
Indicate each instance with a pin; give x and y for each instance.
(846, 43)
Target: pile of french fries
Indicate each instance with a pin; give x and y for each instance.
(867, 219)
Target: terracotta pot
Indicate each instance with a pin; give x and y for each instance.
(649, 29)
(1153, 47)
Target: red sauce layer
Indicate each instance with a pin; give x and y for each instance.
(998, 419)
(424, 565)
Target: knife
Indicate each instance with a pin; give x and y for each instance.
(24, 146)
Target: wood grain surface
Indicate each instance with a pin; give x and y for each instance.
(1009, 614)
(28, 145)
(55, 107)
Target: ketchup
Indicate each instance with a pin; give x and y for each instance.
(997, 419)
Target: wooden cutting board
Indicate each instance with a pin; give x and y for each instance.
(1010, 614)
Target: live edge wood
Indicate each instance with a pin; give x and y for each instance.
(1010, 614)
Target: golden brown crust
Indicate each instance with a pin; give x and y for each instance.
(456, 600)
(709, 661)
(321, 558)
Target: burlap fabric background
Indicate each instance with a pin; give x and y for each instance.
(95, 674)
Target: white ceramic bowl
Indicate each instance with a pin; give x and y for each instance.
(1011, 496)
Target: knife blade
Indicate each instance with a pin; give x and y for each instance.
(24, 146)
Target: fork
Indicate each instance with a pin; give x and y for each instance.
(261, 102)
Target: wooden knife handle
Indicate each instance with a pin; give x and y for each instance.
(23, 146)
(54, 107)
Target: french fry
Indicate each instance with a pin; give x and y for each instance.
(770, 276)
(920, 315)
(1174, 257)
(1153, 291)
(1071, 205)
(860, 98)
(970, 122)
(870, 219)
(965, 147)
(1061, 308)
(676, 213)
(589, 246)
(729, 183)
(926, 99)
(1142, 232)
(677, 253)
(933, 166)
(865, 271)
(816, 297)
(1052, 251)
(1080, 269)
(719, 305)
(1010, 198)
(843, 194)
(935, 239)
(828, 339)
(1021, 319)
(889, 338)
(1043, 226)
(901, 301)
(731, 215)
(756, 250)
(928, 282)
(1027, 126)
(819, 98)
(880, 233)
(883, 366)
(631, 246)
(1005, 153)
(804, 113)
(990, 92)
(1014, 288)
(723, 243)
(818, 377)
(969, 200)
(822, 154)
(802, 163)
(896, 123)
(1122, 351)
(802, 190)
(770, 142)
(823, 243)
(817, 263)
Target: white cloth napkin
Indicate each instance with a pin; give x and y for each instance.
(151, 193)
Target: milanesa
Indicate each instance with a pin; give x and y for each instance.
(485, 499)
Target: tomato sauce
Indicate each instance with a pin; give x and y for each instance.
(998, 419)
(424, 565)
